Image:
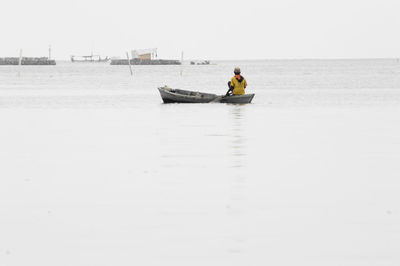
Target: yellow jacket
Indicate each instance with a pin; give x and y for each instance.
(238, 85)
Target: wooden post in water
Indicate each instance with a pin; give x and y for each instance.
(129, 63)
(182, 63)
(19, 62)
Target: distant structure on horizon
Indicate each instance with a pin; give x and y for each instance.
(144, 57)
(205, 62)
(89, 58)
(27, 61)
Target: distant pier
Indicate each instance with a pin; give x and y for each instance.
(137, 61)
(27, 61)
(144, 57)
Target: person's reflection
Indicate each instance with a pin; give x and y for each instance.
(238, 140)
(237, 206)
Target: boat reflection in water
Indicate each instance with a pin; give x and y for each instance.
(238, 199)
(238, 141)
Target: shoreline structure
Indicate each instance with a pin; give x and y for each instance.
(137, 61)
(144, 57)
(27, 61)
(138, 57)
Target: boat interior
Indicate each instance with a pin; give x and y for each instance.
(191, 93)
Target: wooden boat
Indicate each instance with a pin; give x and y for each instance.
(89, 58)
(169, 95)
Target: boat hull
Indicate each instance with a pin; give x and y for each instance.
(169, 95)
(182, 96)
(239, 99)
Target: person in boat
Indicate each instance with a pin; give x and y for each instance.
(238, 84)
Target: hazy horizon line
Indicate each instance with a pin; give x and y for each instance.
(270, 59)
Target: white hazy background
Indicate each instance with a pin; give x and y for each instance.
(203, 29)
(95, 170)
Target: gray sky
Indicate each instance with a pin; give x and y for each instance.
(207, 29)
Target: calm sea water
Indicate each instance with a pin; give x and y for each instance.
(277, 83)
(95, 170)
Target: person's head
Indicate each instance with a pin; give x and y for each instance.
(236, 71)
